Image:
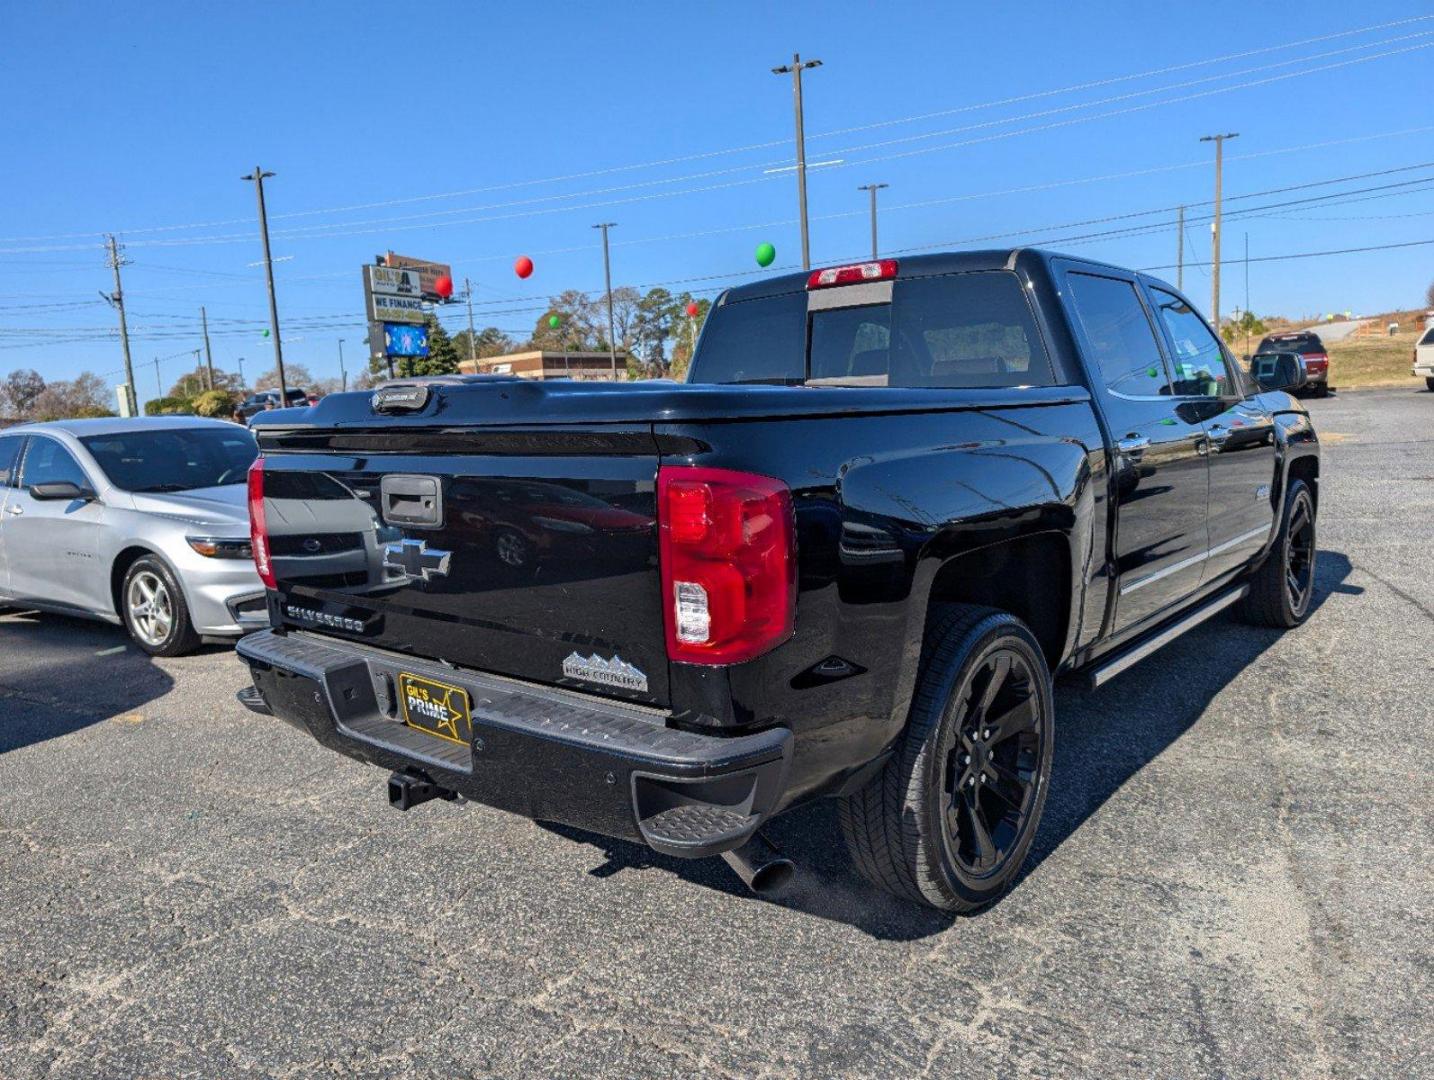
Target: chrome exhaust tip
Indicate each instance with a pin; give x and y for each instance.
(764, 869)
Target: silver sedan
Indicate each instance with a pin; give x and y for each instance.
(140, 522)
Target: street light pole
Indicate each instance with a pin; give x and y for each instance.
(795, 69)
(242, 384)
(1219, 141)
(343, 374)
(872, 189)
(607, 277)
(258, 176)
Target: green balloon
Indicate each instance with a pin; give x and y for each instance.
(766, 253)
(266, 333)
(554, 322)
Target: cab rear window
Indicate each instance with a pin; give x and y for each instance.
(954, 330)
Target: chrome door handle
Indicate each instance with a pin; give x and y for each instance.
(15, 509)
(1217, 434)
(1132, 444)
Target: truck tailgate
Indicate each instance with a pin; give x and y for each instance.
(500, 555)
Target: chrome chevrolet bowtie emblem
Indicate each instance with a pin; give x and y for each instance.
(416, 559)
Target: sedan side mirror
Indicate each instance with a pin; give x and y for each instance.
(61, 489)
(1281, 371)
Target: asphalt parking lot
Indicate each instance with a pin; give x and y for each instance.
(1233, 877)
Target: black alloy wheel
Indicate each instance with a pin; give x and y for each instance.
(1299, 554)
(1282, 589)
(950, 818)
(992, 765)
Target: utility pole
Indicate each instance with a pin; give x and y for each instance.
(208, 356)
(1247, 271)
(795, 69)
(873, 189)
(158, 386)
(472, 341)
(242, 384)
(1219, 141)
(258, 176)
(196, 364)
(343, 374)
(1248, 317)
(116, 300)
(607, 276)
(1180, 252)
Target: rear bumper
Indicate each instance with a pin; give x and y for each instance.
(543, 753)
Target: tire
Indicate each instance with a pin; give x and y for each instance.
(1322, 390)
(1429, 383)
(912, 829)
(154, 611)
(1282, 588)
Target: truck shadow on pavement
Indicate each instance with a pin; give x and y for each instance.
(1103, 739)
(58, 675)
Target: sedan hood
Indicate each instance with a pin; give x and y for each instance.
(227, 505)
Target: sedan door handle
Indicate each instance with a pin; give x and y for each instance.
(1133, 444)
(1217, 434)
(15, 509)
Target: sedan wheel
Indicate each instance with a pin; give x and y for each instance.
(153, 608)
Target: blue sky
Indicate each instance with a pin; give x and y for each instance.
(140, 119)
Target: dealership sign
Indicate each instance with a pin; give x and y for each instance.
(428, 273)
(389, 281)
(401, 339)
(395, 309)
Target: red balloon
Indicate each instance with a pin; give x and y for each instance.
(692, 309)
(523, 266)
(444, 286)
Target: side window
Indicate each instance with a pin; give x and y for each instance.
(47, 462)
(1120, 337)
(1199, 360)
(9, 458)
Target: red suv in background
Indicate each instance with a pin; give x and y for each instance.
(1308, 345)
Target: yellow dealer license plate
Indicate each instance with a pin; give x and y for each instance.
(435, 708)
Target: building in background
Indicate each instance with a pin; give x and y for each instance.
(543, 364)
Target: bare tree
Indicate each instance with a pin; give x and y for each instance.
(85, 395)
(1429, 295)
(295, 374)
(22, 387)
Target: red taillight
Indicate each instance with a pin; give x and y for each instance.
(880, 270)
(1317, 361)
(727, 544)
(258, 530)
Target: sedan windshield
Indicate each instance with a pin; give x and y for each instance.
(174, 459)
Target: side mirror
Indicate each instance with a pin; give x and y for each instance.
(61, 489)
(1282, 371)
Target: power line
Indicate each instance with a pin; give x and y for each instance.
(1310, 254)
(1044, 93)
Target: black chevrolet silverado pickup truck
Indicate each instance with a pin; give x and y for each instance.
(844, 559)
